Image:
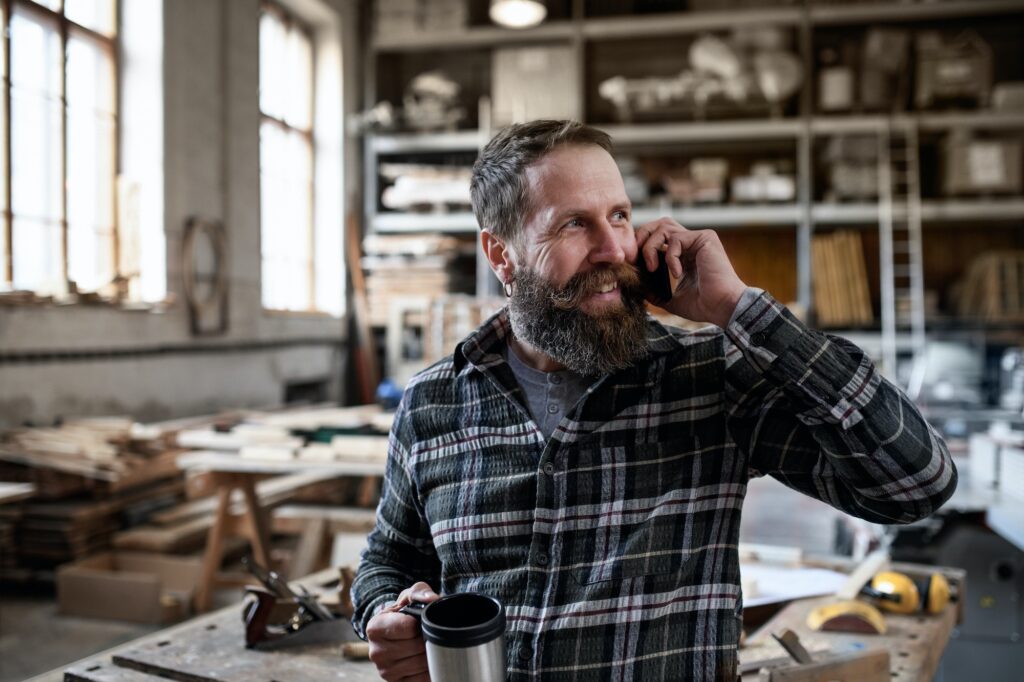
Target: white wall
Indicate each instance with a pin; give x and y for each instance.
(73, 360)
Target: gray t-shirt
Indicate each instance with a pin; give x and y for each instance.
(549, 395)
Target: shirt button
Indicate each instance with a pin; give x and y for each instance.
(555, 379)
(525, 653)
(542, 559)
(549, 468)
(759, 338)
(552, 409)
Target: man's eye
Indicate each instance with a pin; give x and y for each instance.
(574, 222)
(620, 215)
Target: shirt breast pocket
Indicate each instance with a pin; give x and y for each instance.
(630, 510)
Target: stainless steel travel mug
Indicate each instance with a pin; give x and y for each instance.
(465, 637)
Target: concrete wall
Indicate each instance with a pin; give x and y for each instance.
(76, 360)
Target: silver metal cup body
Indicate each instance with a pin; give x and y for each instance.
(481, 663)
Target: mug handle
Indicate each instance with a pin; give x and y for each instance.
(414, 609)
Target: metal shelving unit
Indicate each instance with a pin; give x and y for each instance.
(801, 130)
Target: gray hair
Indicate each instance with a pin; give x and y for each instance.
(498, 189)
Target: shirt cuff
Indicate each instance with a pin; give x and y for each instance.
(750, 294)
(763, 330)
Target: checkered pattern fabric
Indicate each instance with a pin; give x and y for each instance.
(613, 544)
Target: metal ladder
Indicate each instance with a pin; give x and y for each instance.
(900, 251)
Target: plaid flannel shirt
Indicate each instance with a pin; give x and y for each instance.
(613, 544)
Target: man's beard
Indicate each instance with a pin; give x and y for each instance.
(550, 319)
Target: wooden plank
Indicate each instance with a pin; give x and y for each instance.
(310, 550)
(292, 519)
(15, 492)
(822, 303)
(269, 492)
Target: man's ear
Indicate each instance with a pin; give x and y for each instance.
(499, 255)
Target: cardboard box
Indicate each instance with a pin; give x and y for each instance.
(984, 166)
(133, 586)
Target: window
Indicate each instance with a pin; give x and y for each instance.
(58, 148)
(287, 235)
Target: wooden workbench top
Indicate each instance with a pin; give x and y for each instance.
(915, 642)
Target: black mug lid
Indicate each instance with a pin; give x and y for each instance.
(462, 620)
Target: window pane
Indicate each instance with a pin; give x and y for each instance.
(36, 156)
(90, 256)
(3, 156)
(286, 218)
(50, 4)
(37, 255)
(90, 187)
(273, 65)
(35, 54)
(95, 14)
(90, 75)
(300, 80)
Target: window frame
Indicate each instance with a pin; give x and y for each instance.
(292, 22)
(111, 45)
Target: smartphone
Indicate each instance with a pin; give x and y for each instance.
(659, 283)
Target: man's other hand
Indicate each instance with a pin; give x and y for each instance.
(396, 643)
(710, 288)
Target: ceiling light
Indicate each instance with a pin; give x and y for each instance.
(518, 13)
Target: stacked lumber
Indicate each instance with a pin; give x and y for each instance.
(403, 267)
(108, 483)
(92, 477)
(315, 434)
(841, 293)
(993, 288)
(48, 533)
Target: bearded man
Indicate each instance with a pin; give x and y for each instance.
(587, 466)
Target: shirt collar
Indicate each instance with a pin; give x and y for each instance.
(483, 348)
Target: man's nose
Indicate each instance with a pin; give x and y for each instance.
(607, 246)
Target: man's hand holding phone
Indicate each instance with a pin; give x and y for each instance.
(702, 285)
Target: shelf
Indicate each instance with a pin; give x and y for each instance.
(664, 133)
(452, 223)
(407, 143)
(483, 36)
(933, 211)
(978, 209)
(872, 124)
(990, 120)
(690, 22)
(687, 22)
(691, 216)
(776, 215)
(892, 11)
(755, 129)
(728, 216)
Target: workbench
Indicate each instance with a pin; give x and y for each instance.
(230, 472)
(915, 642)
(211, 648)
